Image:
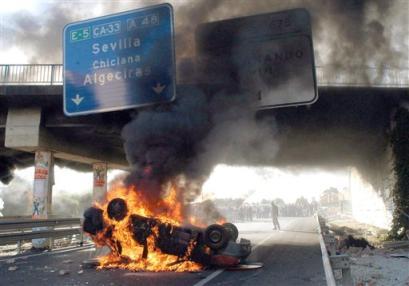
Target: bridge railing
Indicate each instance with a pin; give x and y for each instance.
(362, 76)
(31, 74)
(326, 76)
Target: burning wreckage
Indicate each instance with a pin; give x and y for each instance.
(140, 241)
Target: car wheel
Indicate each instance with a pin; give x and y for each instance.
(117, 209)
(216, 236)
(93, 220)
(232, 230)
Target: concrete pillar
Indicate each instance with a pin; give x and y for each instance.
(42, 191)
(99, 189)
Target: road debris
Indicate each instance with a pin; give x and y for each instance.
(246, 266)
(400, 255)
(12, 268)
(90, 263)
(396, 244)
(373, 262)
(351, 241)
(63, 272)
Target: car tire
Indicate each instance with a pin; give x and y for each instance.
(216, 237)
(232, 230)
(117, 209)
(93, 220)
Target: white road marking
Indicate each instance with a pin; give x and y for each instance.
(261, 242)
(220, 271)
(208, 278)
(57, 251)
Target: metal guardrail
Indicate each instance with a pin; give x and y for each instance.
(17, 230)
(329, 275)
(8, 225)
(336, 266)
(31, 74)
(16, 237)
(52, 74)
(362, 77)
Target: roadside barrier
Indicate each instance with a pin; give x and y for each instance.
(21, 229)
(336, 266)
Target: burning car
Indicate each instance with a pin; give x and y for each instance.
(214, 245)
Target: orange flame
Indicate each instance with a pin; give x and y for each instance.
(168, 209)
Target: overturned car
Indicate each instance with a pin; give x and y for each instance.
(215, 245)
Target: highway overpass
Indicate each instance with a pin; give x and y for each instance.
(34, 92)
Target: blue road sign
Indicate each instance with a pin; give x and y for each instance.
(119, 61)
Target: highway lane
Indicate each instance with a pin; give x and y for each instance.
(290, 257)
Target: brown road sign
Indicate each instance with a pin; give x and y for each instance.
(271, 55)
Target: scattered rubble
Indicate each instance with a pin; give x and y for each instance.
(396, 244)
(12, 268)
(63, 272)
(90, 263)
(373, 262)
(351, 241)
(400, 255)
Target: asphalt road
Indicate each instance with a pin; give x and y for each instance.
(291, 257)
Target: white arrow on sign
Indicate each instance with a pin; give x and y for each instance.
(77, 99)
(158, 88)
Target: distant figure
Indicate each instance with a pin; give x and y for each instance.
(274, 215)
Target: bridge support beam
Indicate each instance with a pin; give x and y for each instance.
(42, 191)
(99, 189)
(25, 131)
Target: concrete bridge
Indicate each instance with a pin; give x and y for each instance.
(31, 116)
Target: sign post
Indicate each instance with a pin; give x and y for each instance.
(120, 61)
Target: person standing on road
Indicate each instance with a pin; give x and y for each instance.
(274, 215)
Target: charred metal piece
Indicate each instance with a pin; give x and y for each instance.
(173, 240)
(142, 228)
(108, 231)
(246, 266)
(119, 247)
(93, 220)
(241, 249)
(90, 263)
(117, 209)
